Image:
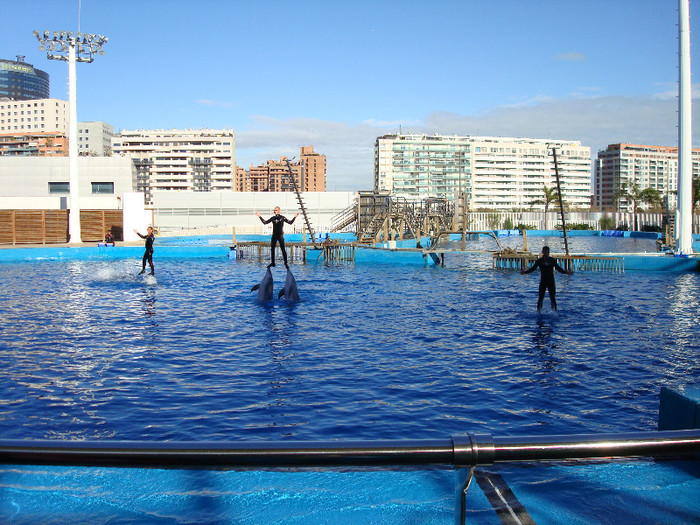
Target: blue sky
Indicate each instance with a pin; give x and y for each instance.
(338, 74)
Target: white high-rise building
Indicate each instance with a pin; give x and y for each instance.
(95, 139)
(195, 160)
(494, 172)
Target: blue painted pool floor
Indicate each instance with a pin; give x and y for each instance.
(640, 491)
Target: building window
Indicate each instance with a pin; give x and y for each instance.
(59, 187)
(103, 187)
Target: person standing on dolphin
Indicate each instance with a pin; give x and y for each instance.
(148, 254)
(277, 221)
(547, 265)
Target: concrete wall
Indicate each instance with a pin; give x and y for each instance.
(24, 181)
(185, 210)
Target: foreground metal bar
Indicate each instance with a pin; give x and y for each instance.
(460, 450)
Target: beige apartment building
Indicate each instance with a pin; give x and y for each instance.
(620, 165)
(48, 115)
(198, 160)
(309, 174)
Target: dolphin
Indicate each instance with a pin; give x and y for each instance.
(289, 291)
(264, 289)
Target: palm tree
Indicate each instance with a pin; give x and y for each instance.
(696, 193)
(550, 196)
(631, 192)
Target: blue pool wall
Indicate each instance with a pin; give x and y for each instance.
(216, 246)
(679, 408)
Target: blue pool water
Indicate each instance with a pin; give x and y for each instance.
(92, 351)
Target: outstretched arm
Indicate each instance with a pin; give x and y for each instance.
(293, 219)
(562, 270)
(137, 233)
(261, 219)
(531, 268)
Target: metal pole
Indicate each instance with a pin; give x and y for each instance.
(74, 186)
(561, 202)
(460, 450)
(684, 224)
(72, 48)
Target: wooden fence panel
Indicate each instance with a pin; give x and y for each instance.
(51, 226)
(94, 224)
(29, 226)
(7, 226)
(55, 226)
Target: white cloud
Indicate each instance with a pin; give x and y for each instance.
(594, 121)
(214, 103)
(571, 57)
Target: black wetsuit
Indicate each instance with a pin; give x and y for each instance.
(277, 235)
(546, 265)
(148, 254)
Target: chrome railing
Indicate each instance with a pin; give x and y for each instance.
(460, 451)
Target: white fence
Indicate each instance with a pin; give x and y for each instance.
(536, 220)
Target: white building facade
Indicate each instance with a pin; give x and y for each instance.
(182, 210)
(494, 172)
(44, 182)
(179, 160)
(95, 138)
(48, 115)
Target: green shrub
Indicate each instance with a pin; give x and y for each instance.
(607, 223)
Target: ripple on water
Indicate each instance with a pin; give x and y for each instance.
(91, 350)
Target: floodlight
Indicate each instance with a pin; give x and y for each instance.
(46, 34)
(36, 33)
(63, 34)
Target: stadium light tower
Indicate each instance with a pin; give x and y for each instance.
(72, 48)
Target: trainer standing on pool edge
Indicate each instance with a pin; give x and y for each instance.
(277, 221)
(547, 265)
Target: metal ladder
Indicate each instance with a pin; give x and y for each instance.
(300, 201)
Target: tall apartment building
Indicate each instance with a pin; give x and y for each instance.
(95, 139)
(313, 175)
(31, 116)
(195, 160)
(647, 166)
(309, 174)
(22, 81)
(494, 172)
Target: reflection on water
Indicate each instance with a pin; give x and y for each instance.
(92, 350)
(545, 346)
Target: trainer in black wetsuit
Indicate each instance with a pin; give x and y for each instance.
(547, 265)
(277, 221)
(148, 254)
